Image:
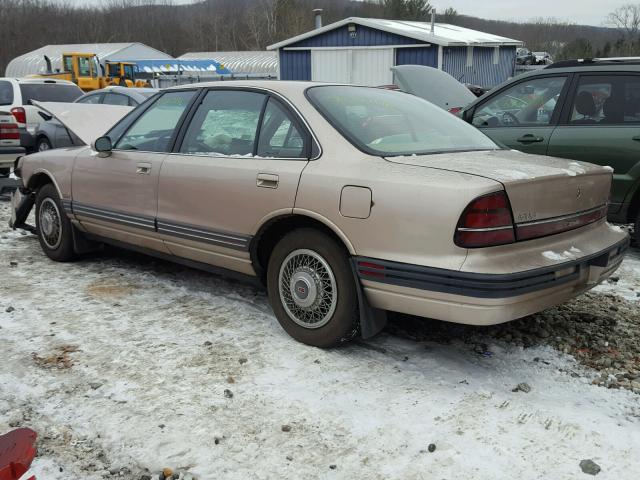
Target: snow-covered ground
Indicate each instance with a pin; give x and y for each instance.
(125, 365)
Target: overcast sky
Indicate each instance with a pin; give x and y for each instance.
(588, 12)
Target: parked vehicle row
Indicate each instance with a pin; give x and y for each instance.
(526, 57)
(53, 134)
(344, 201)
(585, 111)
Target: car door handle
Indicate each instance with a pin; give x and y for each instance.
(143, 168)
(529, 138)
(268, 180)
(636, 138)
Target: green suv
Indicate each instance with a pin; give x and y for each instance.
(586, 110)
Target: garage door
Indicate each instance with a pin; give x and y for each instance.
(331, 65)
(359, 66)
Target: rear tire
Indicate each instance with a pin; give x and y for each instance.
(53, 226)
(43, 144)
(312, 289)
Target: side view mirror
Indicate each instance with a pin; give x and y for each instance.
(103, 146)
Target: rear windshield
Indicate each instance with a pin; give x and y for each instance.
(49, 92)
(387, 123)
(6, 93)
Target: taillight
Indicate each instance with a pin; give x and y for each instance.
(552, 226)
(487, 221)
(455, 110)
(9, 131)
(19, 114)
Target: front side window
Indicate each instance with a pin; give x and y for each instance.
(115, 99)
(226, 123)
(95, 98)
(531, 103)
(386, 123)
(153, 130)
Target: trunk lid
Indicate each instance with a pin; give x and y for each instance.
(88, 121)
(538, 187)
(433, 85)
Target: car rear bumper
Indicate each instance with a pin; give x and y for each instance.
(480, 298)
(8, 155)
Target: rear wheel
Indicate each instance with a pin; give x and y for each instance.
(43, 144)
(53, 226)
(312, 290)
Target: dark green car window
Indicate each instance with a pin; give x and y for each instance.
(532, 102)
(606, 100)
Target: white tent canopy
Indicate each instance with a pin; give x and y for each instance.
(33, 62)
(242, 62)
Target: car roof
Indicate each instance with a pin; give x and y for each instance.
(280, 86)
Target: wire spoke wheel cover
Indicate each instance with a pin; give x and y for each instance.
(50, 223)
(308, 289)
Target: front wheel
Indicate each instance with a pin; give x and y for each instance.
(312, 289)
(53, 226)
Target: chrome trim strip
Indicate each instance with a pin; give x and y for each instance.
(488, 229)
(213, 237)
(124, 216)
(200, 230)
(146, 223)
(561, 218)
(98, 216)
(189, 232)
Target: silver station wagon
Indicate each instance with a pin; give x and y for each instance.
(344, 201)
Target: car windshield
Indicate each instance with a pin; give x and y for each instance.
(49, 92)
(387, 123)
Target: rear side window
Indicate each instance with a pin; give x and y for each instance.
(280, 134)
(153, 130)
(226, 123)
(49, 92)
(606, 99)
(6, 93)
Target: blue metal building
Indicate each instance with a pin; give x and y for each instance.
(362, 51)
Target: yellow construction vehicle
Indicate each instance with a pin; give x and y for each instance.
(85, 70)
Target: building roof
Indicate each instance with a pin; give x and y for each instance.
(33, 62)
(444, 33)
(246, 62)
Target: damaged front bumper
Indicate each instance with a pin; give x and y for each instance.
(22, 201)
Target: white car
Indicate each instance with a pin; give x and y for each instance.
(543, 58)
(10, 148)
(16, 95)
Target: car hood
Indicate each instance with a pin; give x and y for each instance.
(87, 121)
(434, 85)
(538, 187)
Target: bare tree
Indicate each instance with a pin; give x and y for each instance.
(627, 19)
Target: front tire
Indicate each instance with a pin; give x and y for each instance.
(53, 226)
(312, 289)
